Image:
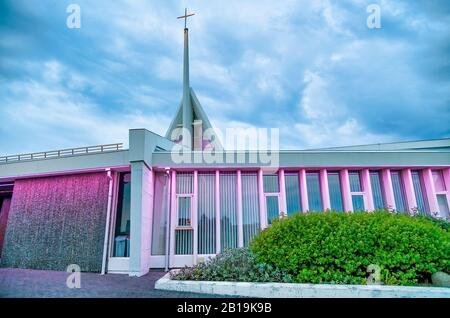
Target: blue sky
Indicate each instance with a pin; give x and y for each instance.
(311, 68)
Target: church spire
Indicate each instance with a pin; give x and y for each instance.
(197, 133)
(188, 115)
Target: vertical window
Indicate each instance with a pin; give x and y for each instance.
(184, 230)
(443, 205)
(313, 189)
(206, 214)
(355, 181)
(334, 188)
(228, 211)
(122, 228)
(273, 212)
(399, 192)
(356, 190)
(185, 183)
(419, 191)
(271, 193)
(271, 184)
(250, 206)
(438, 180)
(184, 211)
(293, 198)
(441, 193)
(377, 192)
(160, 212)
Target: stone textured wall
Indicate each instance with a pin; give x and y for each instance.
(4, 209)
(57, 221)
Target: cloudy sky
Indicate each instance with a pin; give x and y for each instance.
(311, 68)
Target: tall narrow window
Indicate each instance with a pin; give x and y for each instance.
(272, 206)
(293, 198)
(441, 193)
(160, 212)
(272, 193)
(122, 228)
(356, 191)
(334, 187)
(228, 211)
(419, 191)
(399, 192)
(184, 231)
(313, 189)
(250, 206)
(377, 192)
(206, 214)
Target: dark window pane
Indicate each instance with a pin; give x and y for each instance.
(271, 184)
(122, 228)
(314, 194)
(399, 192)
(377, 193)
(355, 181)
(293, 200)
(334, 187)
(422, 204)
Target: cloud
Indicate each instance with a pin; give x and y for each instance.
(313, 69)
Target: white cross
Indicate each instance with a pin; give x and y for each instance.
(185, 16)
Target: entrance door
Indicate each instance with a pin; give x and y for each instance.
(182, 230)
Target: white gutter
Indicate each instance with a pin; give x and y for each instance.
(108, 217)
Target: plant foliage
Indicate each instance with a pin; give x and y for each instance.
(333, 247)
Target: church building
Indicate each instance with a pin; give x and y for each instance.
(162, 203)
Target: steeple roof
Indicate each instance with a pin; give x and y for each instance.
(190, 108)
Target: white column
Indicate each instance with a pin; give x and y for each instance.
(217, 201)
(140, 219)
(304, 191)
(173, 214)
(324, 190)
(346, 195)
(388, 191)
(262, 203)
(195, 217)
(409, 189)
(283, 192)
(239, 210)
(367, 186)
(430, 191)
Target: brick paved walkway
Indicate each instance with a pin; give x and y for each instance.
(36, 283)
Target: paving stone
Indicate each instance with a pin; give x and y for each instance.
(44, 284)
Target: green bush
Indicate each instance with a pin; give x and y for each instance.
(234, 265)
(332, 247)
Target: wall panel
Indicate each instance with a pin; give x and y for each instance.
(57, 221)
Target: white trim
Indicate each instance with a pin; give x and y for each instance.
(284, 290)
(194, 217)
(240, 223)
(217, 202)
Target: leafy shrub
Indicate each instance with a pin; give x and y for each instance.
(334, 247)
(233, 265)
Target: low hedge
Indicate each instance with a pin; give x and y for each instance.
(332, 247)
(238, 265)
